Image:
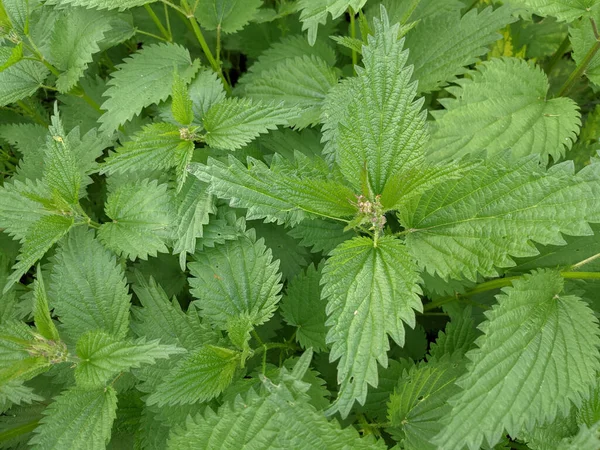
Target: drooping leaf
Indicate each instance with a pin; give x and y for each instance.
(77, 419)
(520, 202)
(102, 356)
(365, 139)
(228, 15)
(145, 78)
(371, 289)
(88, 289)
(504, 105)
(236, 280)
(303, 308)
(199, 377)
(538, 353)
(141, 214)
(315, 12)
(441, 47)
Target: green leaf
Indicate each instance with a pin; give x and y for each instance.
(102, 357)
(199, 377)
(141, 214)
(538, 353)
(320, 235)
(588, 438)
(205, 91)
(371, 288)
(75, 38)
(419, 403)
(15, 393)
(234, 122)
(21, 80)
(77, 419)
(457, 337)
(19, 210)
(88, 288)
(159, 318)
(61, 171)
(101, 4)
(41, 312)
(301, 82)
(504, 105)
(39, 239)
(564, 10)
(145, 78)
(581, 35)
(181, 106)
(442, 47)
(10, 55)
(227, 15)
(279, 193)
(157, 145)
(376, 102)
(236, 280)
(303, 308)
(460, 229)
(274, 420)
(194, 204)
(315, 12)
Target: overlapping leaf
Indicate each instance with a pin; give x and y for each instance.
(227, 15)
(315, 12)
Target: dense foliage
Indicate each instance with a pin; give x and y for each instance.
(311, 224)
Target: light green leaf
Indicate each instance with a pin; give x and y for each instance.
(228, 15)
(504, 105)
(376, 102)
(276, 419)
(279, 193)
(88, 288)
(40, 237)
(205, 91)
(442, 47)
(588, 438)
(564, 10)
(21, 80)
(10, 55)
(41, 312)
(159, 318)
(370, 290)
(102, 356)
(75, 38)
(141, 214)
(19, 210)
(538, 353)
(303, 308)
(157, 146)
(301, 82)
(457, 337)
(315, 12)
(582, 38)
(234, 122)
(145, 78)
(77, 419)
(320, 235)
(194, 204)
(197, 378)
(236, 280)
(181, 106)
(16, 393)
(419, 403)
(459, 229)
(19, 12)
(101, 4)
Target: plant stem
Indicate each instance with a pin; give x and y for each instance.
(585, 62)
(32, 113)
(155, 36)
(562, 49)
(175, 7)
(353, 35)
(157, 22)
(585, 261)
(257, 337)
(218, 52)
(503, 282)
(18, 431)
(168, 20)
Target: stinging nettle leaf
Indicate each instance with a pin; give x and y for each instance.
(538, 353)
(504, 105)
(145, 78)
(101, 4)
(41, 312)
(371, 289)
(227, 15)
(564, 10)
(21, 80)
(315, 12)
(181, 106)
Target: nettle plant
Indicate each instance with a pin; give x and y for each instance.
(299, 224)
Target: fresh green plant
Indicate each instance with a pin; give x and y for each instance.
(232, 224)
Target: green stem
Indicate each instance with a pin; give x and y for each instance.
(168, 20)
(155, 36)
(562, 49)
(157, 22)
(257, 337)
(20, 430)
(585, 261)
(353, 35)
(79, 92)
(503, 282)
(175, 7)
(585, 62)
(218, 52)
(33, 49)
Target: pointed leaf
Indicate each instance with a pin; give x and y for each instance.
(315, 12)
(21, 80)
(181, 106)
(371, 289)
(228, 15)
(101, 4)
(41, 312)
(564, 10)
